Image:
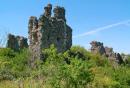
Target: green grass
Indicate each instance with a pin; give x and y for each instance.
(75, 68)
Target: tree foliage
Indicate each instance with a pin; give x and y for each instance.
(75, 68)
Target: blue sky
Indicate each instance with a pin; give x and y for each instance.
(107, 21)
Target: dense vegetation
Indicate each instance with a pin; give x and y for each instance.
(75, 68)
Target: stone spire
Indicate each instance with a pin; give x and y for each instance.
(48, 9)
(59, 12)
(32, 26)
(48, 30)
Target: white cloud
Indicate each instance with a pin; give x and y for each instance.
(102, 28)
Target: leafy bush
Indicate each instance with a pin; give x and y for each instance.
(59, 74)
(13, 64)
(6, 53)
(75, 68)
(127, 60)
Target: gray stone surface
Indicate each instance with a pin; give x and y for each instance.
(16, 42)
(48, 30)
(109, 51)
(98, 48)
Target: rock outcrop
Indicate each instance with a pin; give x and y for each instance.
(109, 52)
(16, 42)
(49, 30)
(98, 48)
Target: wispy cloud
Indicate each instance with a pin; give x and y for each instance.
(102, 28)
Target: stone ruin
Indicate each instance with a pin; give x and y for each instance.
(98, 48)
(48, 30)
(43, 32)
(16, 42)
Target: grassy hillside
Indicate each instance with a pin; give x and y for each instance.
(75, 68)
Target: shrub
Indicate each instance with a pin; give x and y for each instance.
(13, 64)
(59, 74)
(75, 68)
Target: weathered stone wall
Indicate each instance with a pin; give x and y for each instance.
(49, 30)
(98, 48)
(109, 51)
(16, 42)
